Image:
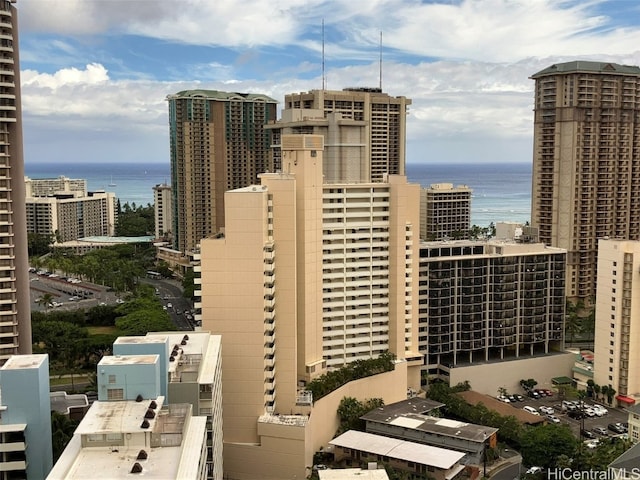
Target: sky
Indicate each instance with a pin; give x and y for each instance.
(96, 73)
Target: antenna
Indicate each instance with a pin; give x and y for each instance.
(380, 60)
(324, 80)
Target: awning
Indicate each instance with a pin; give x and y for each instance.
(562, 381)
(625, 399)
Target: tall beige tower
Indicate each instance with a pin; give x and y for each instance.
(15, 307)
(586, 171)
(218, 143)
(445, 211)
(617, 330)
(364, 131)
(308, 276)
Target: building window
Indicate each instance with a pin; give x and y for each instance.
(115, 394)
(112, 379)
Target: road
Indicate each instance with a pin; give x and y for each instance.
(170, 294)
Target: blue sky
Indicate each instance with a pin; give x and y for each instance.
(95, 73)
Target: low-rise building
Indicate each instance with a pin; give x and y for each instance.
(356, 448)
(190, 371)
(409, 420)
(634, 423)
(25, 418)
(122, 437)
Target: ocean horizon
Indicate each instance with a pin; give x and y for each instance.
(501, 191)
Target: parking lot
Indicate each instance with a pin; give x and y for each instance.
(613, 415)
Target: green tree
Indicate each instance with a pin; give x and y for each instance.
(528, 384)
(45, 300)
(350, 410)
(610, 394)
(62, 429)
(38, 244)
(188, 285)
(542, 445)
(144, 321)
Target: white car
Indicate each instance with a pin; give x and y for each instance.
(504, 399)
(553, 419)
(600, 410)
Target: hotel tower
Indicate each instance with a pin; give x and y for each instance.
(15, 313)
(586, 165)
(218, 143)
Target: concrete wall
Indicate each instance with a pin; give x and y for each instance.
(286, 451)
(489, 377)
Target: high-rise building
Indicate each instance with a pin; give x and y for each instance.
(617, 329)
(66, 217)
(49, 187)
(15, 308)
(445, 211)
(586, 169)
(162, 210)
(307, 276)
(364, 131)
(25, 424)
(484, 302)
(218, 143)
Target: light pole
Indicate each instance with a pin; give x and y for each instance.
(484, 453)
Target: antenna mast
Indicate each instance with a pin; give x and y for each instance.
(324, 80)
(380, 60)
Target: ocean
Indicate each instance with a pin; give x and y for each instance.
(132, 183)
(501, 192)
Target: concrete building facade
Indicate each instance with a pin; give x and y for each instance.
(25, 418)
(308, 276)
(162, 211)
(489, 302)
(15, 306)
(585, 171)
(617, 330)
(364, 131)
(49, 187)
(218, 143)
(445, 211)
(66, 217)
(190, 371)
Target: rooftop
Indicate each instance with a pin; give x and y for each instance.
(291, 420)
(61, 402)
(353, 474)
(222, 96)
(409, 414)
(128, 359)
(582, 66)
(18, 362)
(392, 447)
(125, 416)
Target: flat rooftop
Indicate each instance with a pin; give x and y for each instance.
(118, 417)
(292, 420)
(61, 402)
(394, 448)
(408, 414)
(353, 474)
(129, 360)
(17, 362)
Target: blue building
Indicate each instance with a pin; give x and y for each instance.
(25, 417)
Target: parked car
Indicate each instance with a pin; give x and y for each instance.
(531, 410)
(587, 434)
(553, 419)
(616, 427)
(504, 399)
(576, 414)
(519, 398)
(511, 398)
(533, 394)
(547, 410)
(600, 410)
(600, 431)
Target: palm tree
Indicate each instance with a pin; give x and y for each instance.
(45, 300)
(596, 390)
(605, 391)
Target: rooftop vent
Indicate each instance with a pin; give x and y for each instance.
(142, 455)
(139, 398)
(144, 424)
(186, 337)
(172, 359)
(137, 468)
(150, 413)
(153, 404)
